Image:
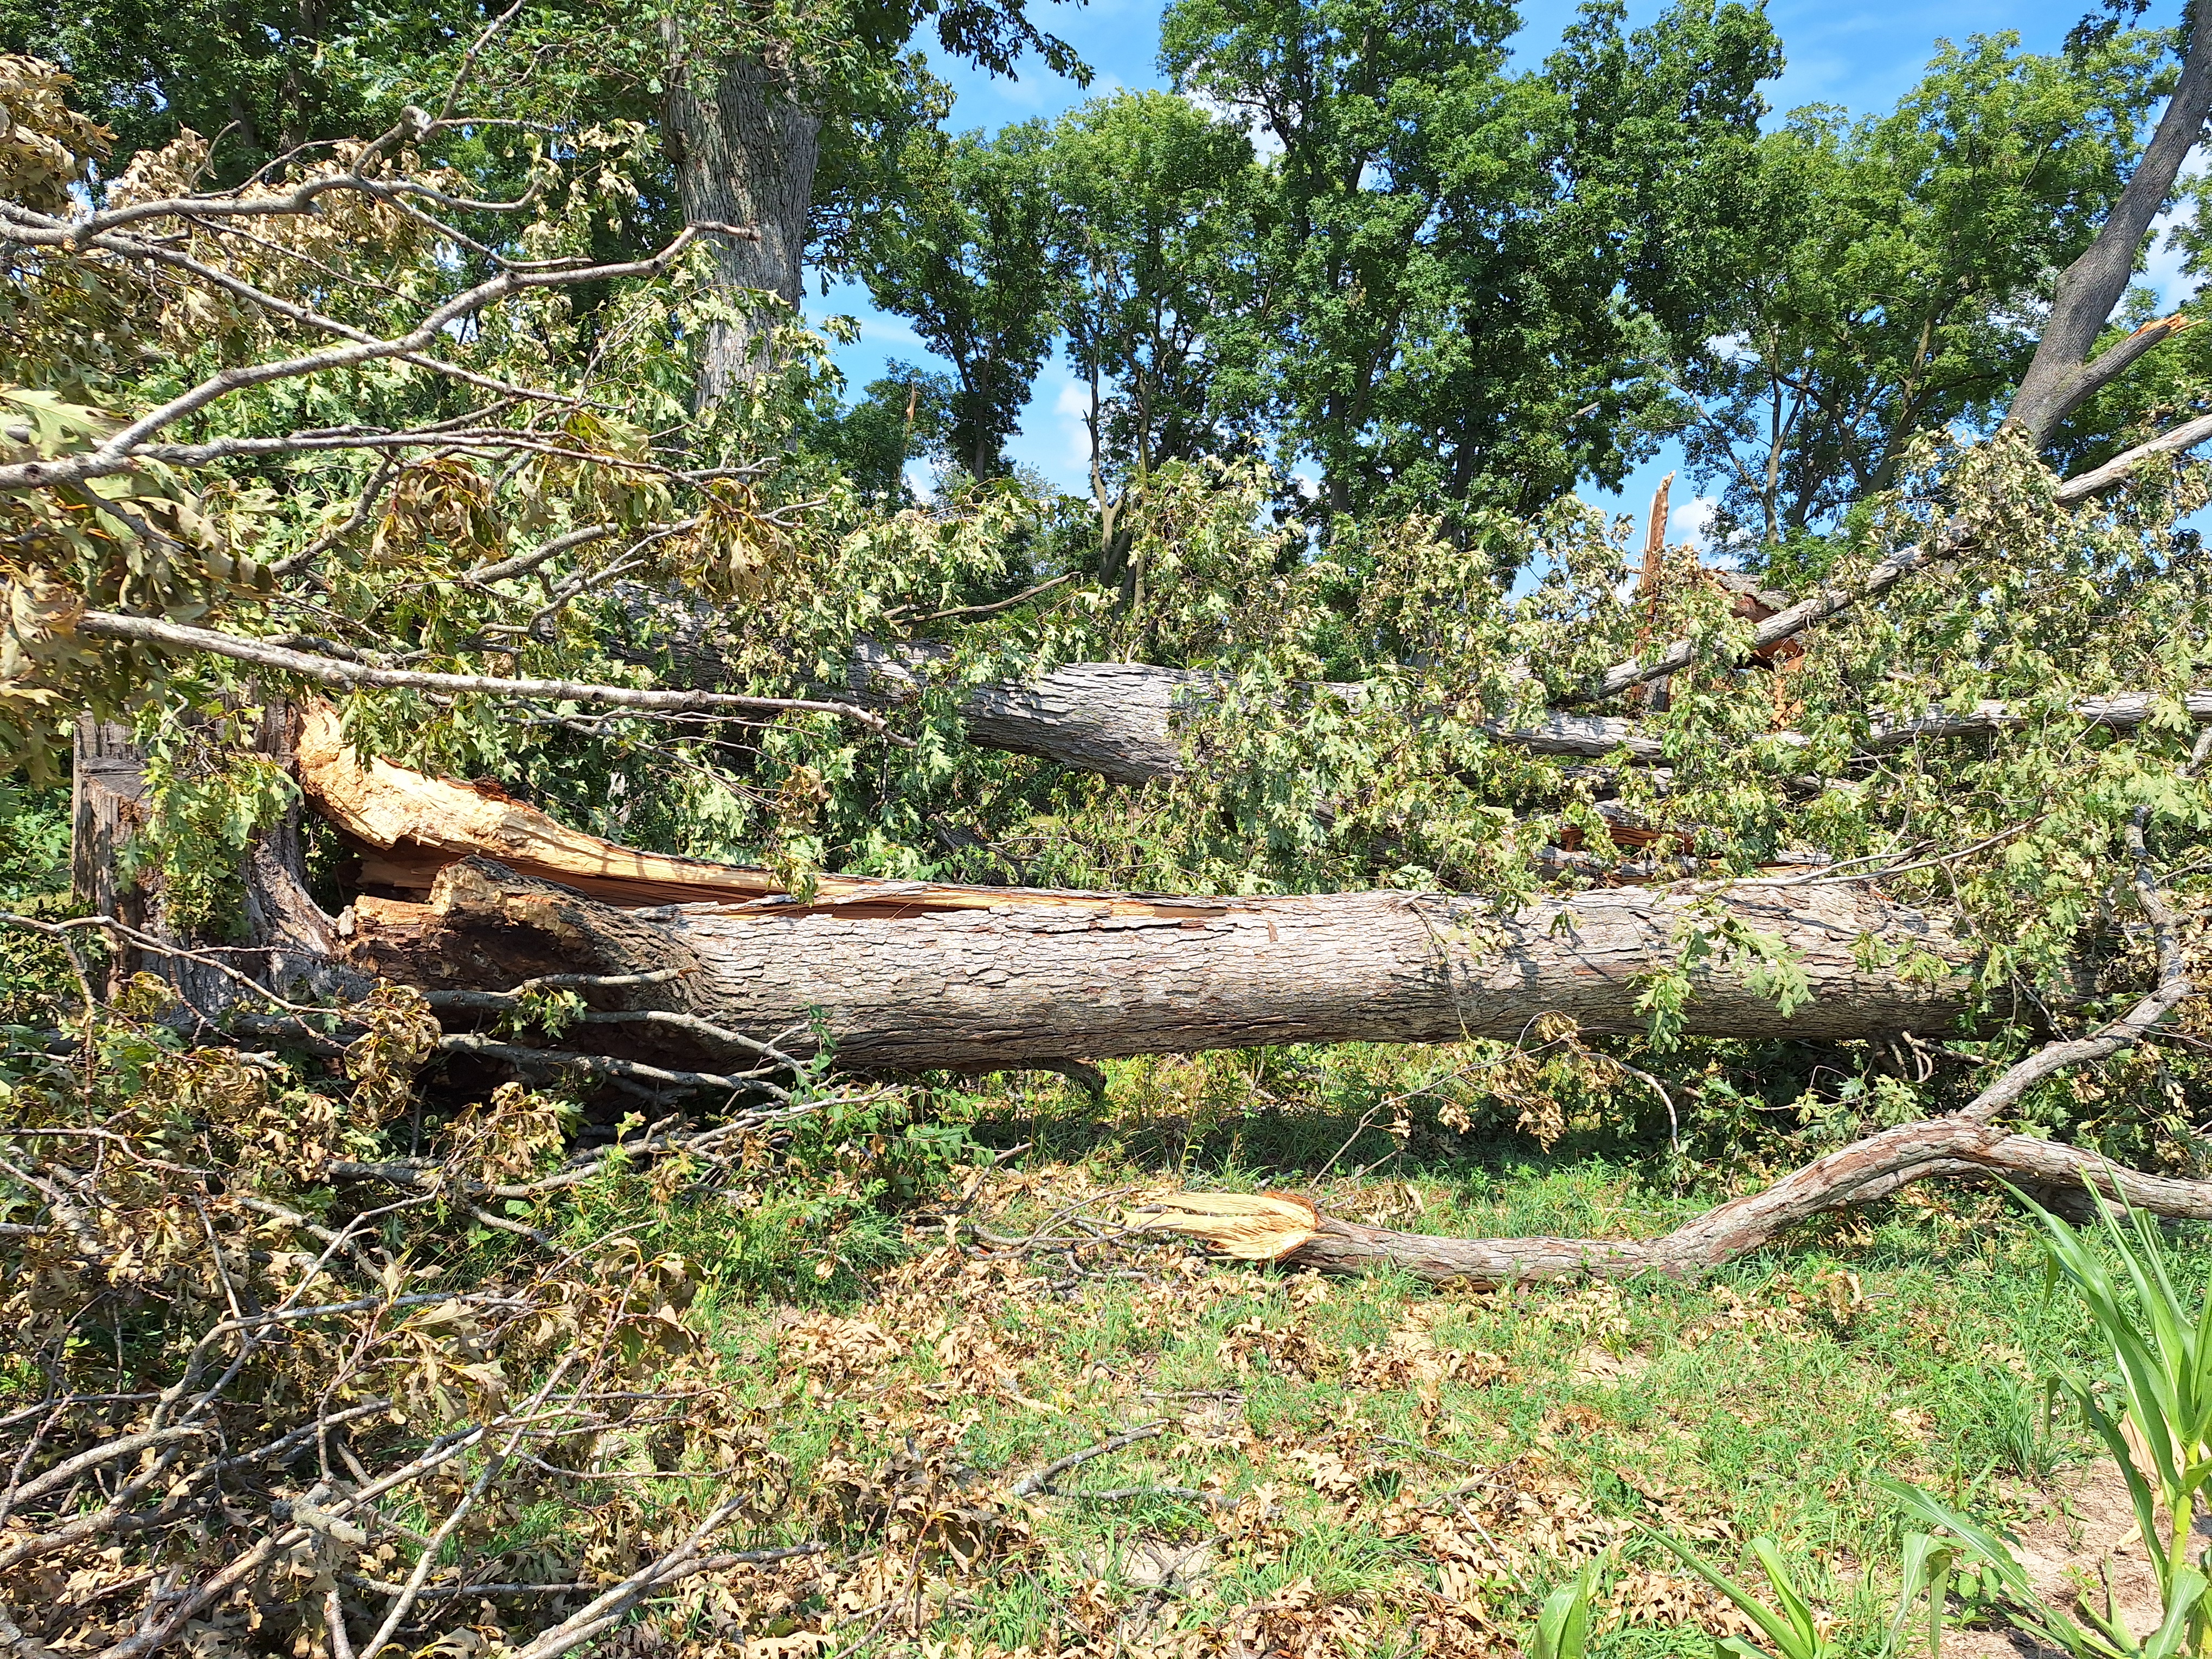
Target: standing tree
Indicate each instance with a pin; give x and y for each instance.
(1881, 284)
(1158, 243)
(750, 90)
(968, 252)
(1466, 270)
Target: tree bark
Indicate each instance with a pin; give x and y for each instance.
(918, 974)
(1284, 1228)
(2063, 374)
(1119, 720)
(108, 807)
(982, 979)
(282, 938)
(745, 150)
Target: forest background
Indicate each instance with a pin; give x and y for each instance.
(1860, 59)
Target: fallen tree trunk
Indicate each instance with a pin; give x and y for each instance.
(913, 975)
(1031, 978)
(1120, 719)
(1281, 1227)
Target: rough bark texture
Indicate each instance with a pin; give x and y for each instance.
(1285, 1228)
(1118, 719)
(745, 151)
(282, 938)
(909, 974)
(1031, 978)
(409, 827)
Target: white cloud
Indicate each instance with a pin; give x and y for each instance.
(1691, 522)
(2163, 273)
(884, 330)
(1072, 403)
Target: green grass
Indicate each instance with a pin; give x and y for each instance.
(1910, 1341)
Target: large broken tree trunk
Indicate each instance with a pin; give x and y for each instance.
(907, 976)
(982, 979)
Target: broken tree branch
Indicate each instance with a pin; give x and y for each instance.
(352, 676)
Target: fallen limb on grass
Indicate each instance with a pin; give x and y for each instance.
(1283, 1228)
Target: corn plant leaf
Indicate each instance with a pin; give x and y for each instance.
(1782, 1629)
(2029, 1611)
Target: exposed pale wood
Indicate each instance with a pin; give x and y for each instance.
(919, 975)
(414, 826)
(281, 938)
(108, 807)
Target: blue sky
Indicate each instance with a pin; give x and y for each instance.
(1862, 58)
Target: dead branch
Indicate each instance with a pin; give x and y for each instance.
(2122, 466)
(120, 451)
(334, 670)
(1038, 1483)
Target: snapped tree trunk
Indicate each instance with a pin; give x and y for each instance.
(745, 151)
(901, 976)
(980, 978)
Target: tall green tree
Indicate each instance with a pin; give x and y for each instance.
(1468, 271)
(260, 75)
(1890, 274)
(1162, 296)
(775, 120)
(969, 252)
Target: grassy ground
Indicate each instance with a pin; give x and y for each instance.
(1369, 1465)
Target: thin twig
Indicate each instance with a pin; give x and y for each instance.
(1039, 1482)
